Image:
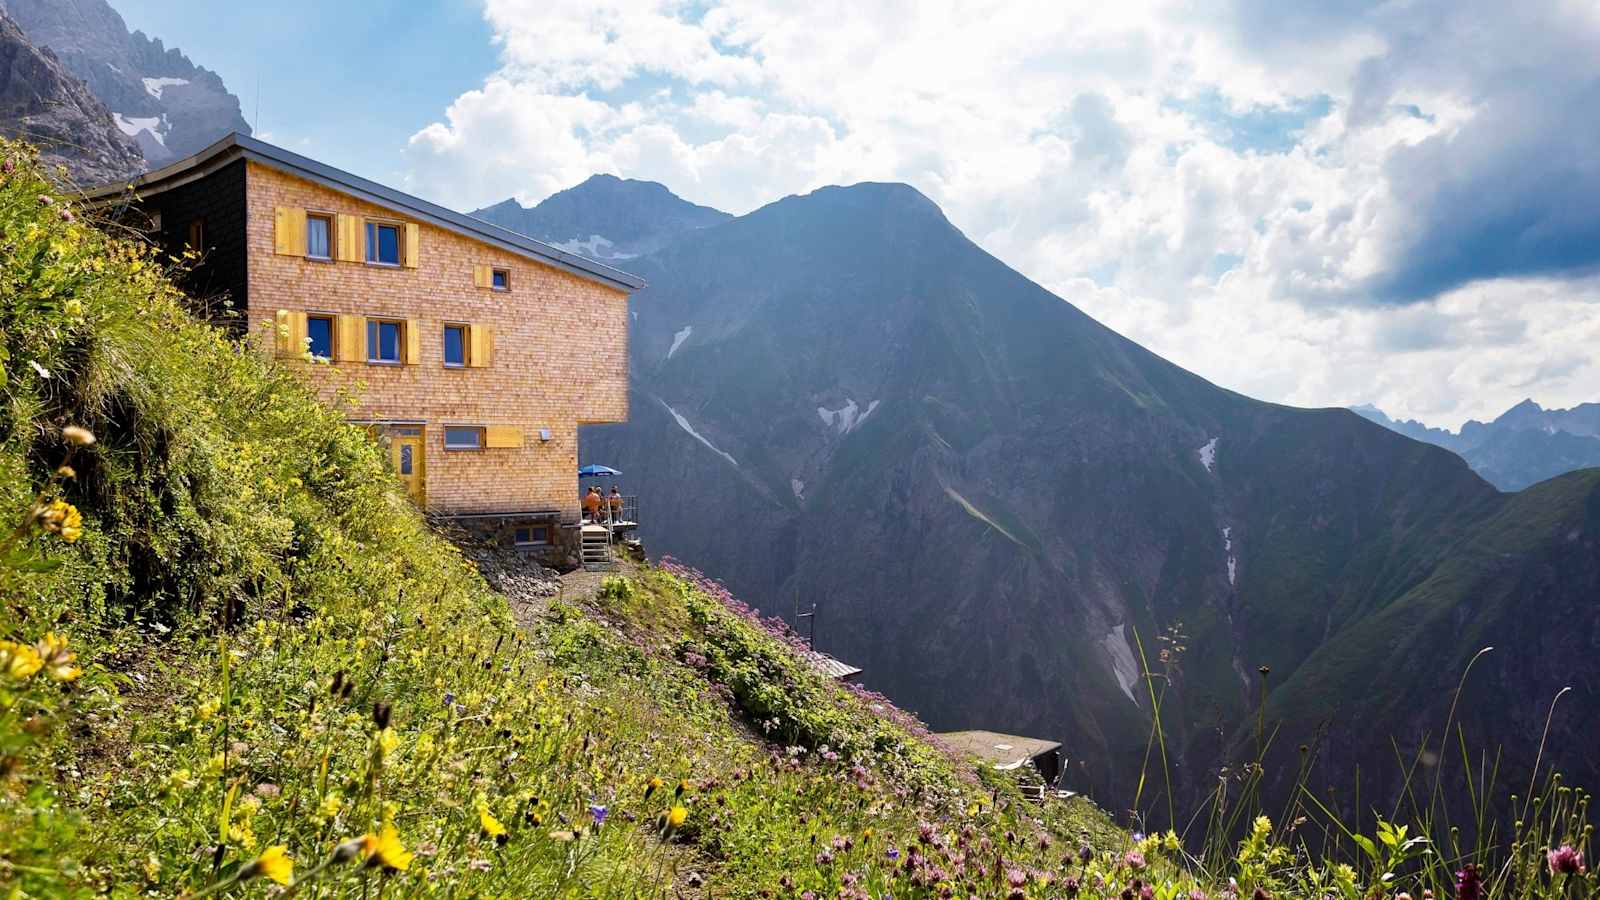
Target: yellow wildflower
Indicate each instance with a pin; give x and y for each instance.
(676, 816)
(491, 825)
(273, 863)
(19, 661)
(330, 807)
(384, 849)
(57, 659)
(388, 740)
(61, 517)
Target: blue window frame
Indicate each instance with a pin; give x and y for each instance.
(463, 437)
(319, 334)
(501, 279)
(319, 231)
(455, 345)
(383, 244)
(383, 341)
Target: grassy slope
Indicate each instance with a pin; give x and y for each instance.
(277, 652)
(240, 559)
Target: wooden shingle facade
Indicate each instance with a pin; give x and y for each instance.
(472, 352)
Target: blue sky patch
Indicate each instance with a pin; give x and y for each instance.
(1258, 129)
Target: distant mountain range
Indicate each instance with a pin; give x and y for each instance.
(1000, 505)
(156, 97)
(1524, 446)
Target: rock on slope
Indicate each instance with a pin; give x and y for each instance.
(172, 107)
(998, 502)
(41, 102)
(1525, 445)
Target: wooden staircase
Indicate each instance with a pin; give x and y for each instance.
(595, 548)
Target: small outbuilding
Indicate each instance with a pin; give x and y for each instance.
(831, 667)
(1008, 752)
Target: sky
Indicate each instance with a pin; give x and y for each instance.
(1315, 202)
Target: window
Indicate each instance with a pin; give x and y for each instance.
(319, 237)
(407, 459)
(383, 244)
(383, 341)
(531, 535)
(455, 345)
(319, 335)
(463, 437)
(500, 279)
(197, 234)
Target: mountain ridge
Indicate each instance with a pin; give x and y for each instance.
(998, 500)
(157, 95)
(43, 103)
(604, 217)
(1524, 445)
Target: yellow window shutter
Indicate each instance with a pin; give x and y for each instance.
(482, 276)
(481, 354)
(413, 245)
(502, 436)
(351, 243)
(351, 345)
(297, 332)
(413, 338)
(289, 231)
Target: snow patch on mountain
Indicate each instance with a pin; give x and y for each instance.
(842, 418)
(799, 488)
(132, 127)
(154, 86)
(847, 417)
(678, 338)
(1208, 454)
(1123, 666)
(684, 424)
(1227, 549)
(594, 247)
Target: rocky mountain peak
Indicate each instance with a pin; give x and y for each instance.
(41, 102)
(156, 95)
(605, 217)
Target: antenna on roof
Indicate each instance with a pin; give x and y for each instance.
(255, 124)
(811, 639)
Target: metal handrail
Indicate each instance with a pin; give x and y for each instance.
(630, 512)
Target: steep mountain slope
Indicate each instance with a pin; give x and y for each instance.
(1525, 445)
(41, 102)
(606, 217)
(995, 500)
(172, 107)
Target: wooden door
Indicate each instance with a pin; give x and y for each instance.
(406, 452)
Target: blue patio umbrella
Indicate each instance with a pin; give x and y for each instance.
(593, 471)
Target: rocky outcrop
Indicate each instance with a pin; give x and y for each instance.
(156, 95)
(42, 103)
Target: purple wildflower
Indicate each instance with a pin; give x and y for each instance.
(1134, 860)
(1469, 883)
(599, 813)
(893, 853)
(1565, 860)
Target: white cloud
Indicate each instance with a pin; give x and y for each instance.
(1231, 189)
